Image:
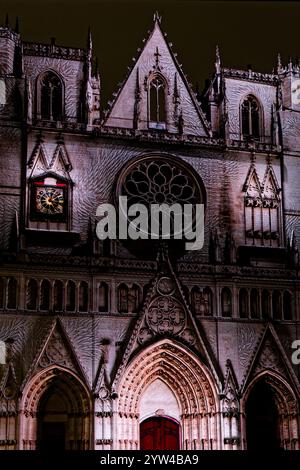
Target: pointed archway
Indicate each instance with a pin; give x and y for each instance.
(189, 380)
(55, 409)
(271, 413)
(262, 418)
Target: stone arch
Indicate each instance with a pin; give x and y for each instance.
(188, 379)
(78, 409)
(287, 408)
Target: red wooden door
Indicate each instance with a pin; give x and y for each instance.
(159, 433)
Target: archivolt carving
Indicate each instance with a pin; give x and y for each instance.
(71, 385)
(285, 399)
(178, 368)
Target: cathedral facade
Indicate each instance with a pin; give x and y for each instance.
(141, 345)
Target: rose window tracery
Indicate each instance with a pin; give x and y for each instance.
(157, 182)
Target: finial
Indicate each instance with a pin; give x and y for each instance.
(290, 65)
(6, 21)
(279, 64)
(156, 17)
(89, 39)
(17, 25)
(218, 60)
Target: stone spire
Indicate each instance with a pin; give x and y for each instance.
(218, 60)
(279, 64)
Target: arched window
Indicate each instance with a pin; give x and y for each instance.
(71, 296)
(58, 296)
(243, 303)
(134, 298)
(103, 297)
(197, 304)
(45, 295)
(287, 305)
(51, 97)
(254, 303)
(208, 301)
(226, 301)
(2, 284)
(12, 293)
(123, 298)
(83, 296)
(276, 305)
(250, 115)
(31, 294)
(265, 304)
(157, 105)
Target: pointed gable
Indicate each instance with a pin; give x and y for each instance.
(252, 186)
(60, 163)
(166, 313)
(270, 356)
(38, 162)
(131, 109)
(270, 186)
(56, 349)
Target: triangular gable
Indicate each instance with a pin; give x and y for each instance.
(184, 113)
(271, 187)
(60, 163)
(166, 313)
(57, 349)
(252, 186)
(38, 161)
(270, 356)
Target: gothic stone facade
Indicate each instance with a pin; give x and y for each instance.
(106, 335)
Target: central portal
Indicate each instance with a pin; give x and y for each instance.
(159, 433)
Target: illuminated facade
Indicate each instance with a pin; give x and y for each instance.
(121, 345)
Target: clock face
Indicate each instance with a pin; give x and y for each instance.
(49, 202)
(296, 92)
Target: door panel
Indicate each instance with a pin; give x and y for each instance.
(159, 433)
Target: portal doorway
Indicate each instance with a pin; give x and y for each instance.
(159, 433)
(262, 418)
(53, 420)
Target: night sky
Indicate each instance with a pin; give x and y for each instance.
(247, 32)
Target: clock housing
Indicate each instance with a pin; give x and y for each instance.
(49, 199)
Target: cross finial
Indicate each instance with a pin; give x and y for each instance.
(156, 17)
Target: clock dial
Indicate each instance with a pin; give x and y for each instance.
(50, 201)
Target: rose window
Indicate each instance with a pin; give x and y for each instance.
(162, 181)
(159, 182)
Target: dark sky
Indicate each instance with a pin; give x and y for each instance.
(247, 32)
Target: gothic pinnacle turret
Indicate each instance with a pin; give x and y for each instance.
(218, 60)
